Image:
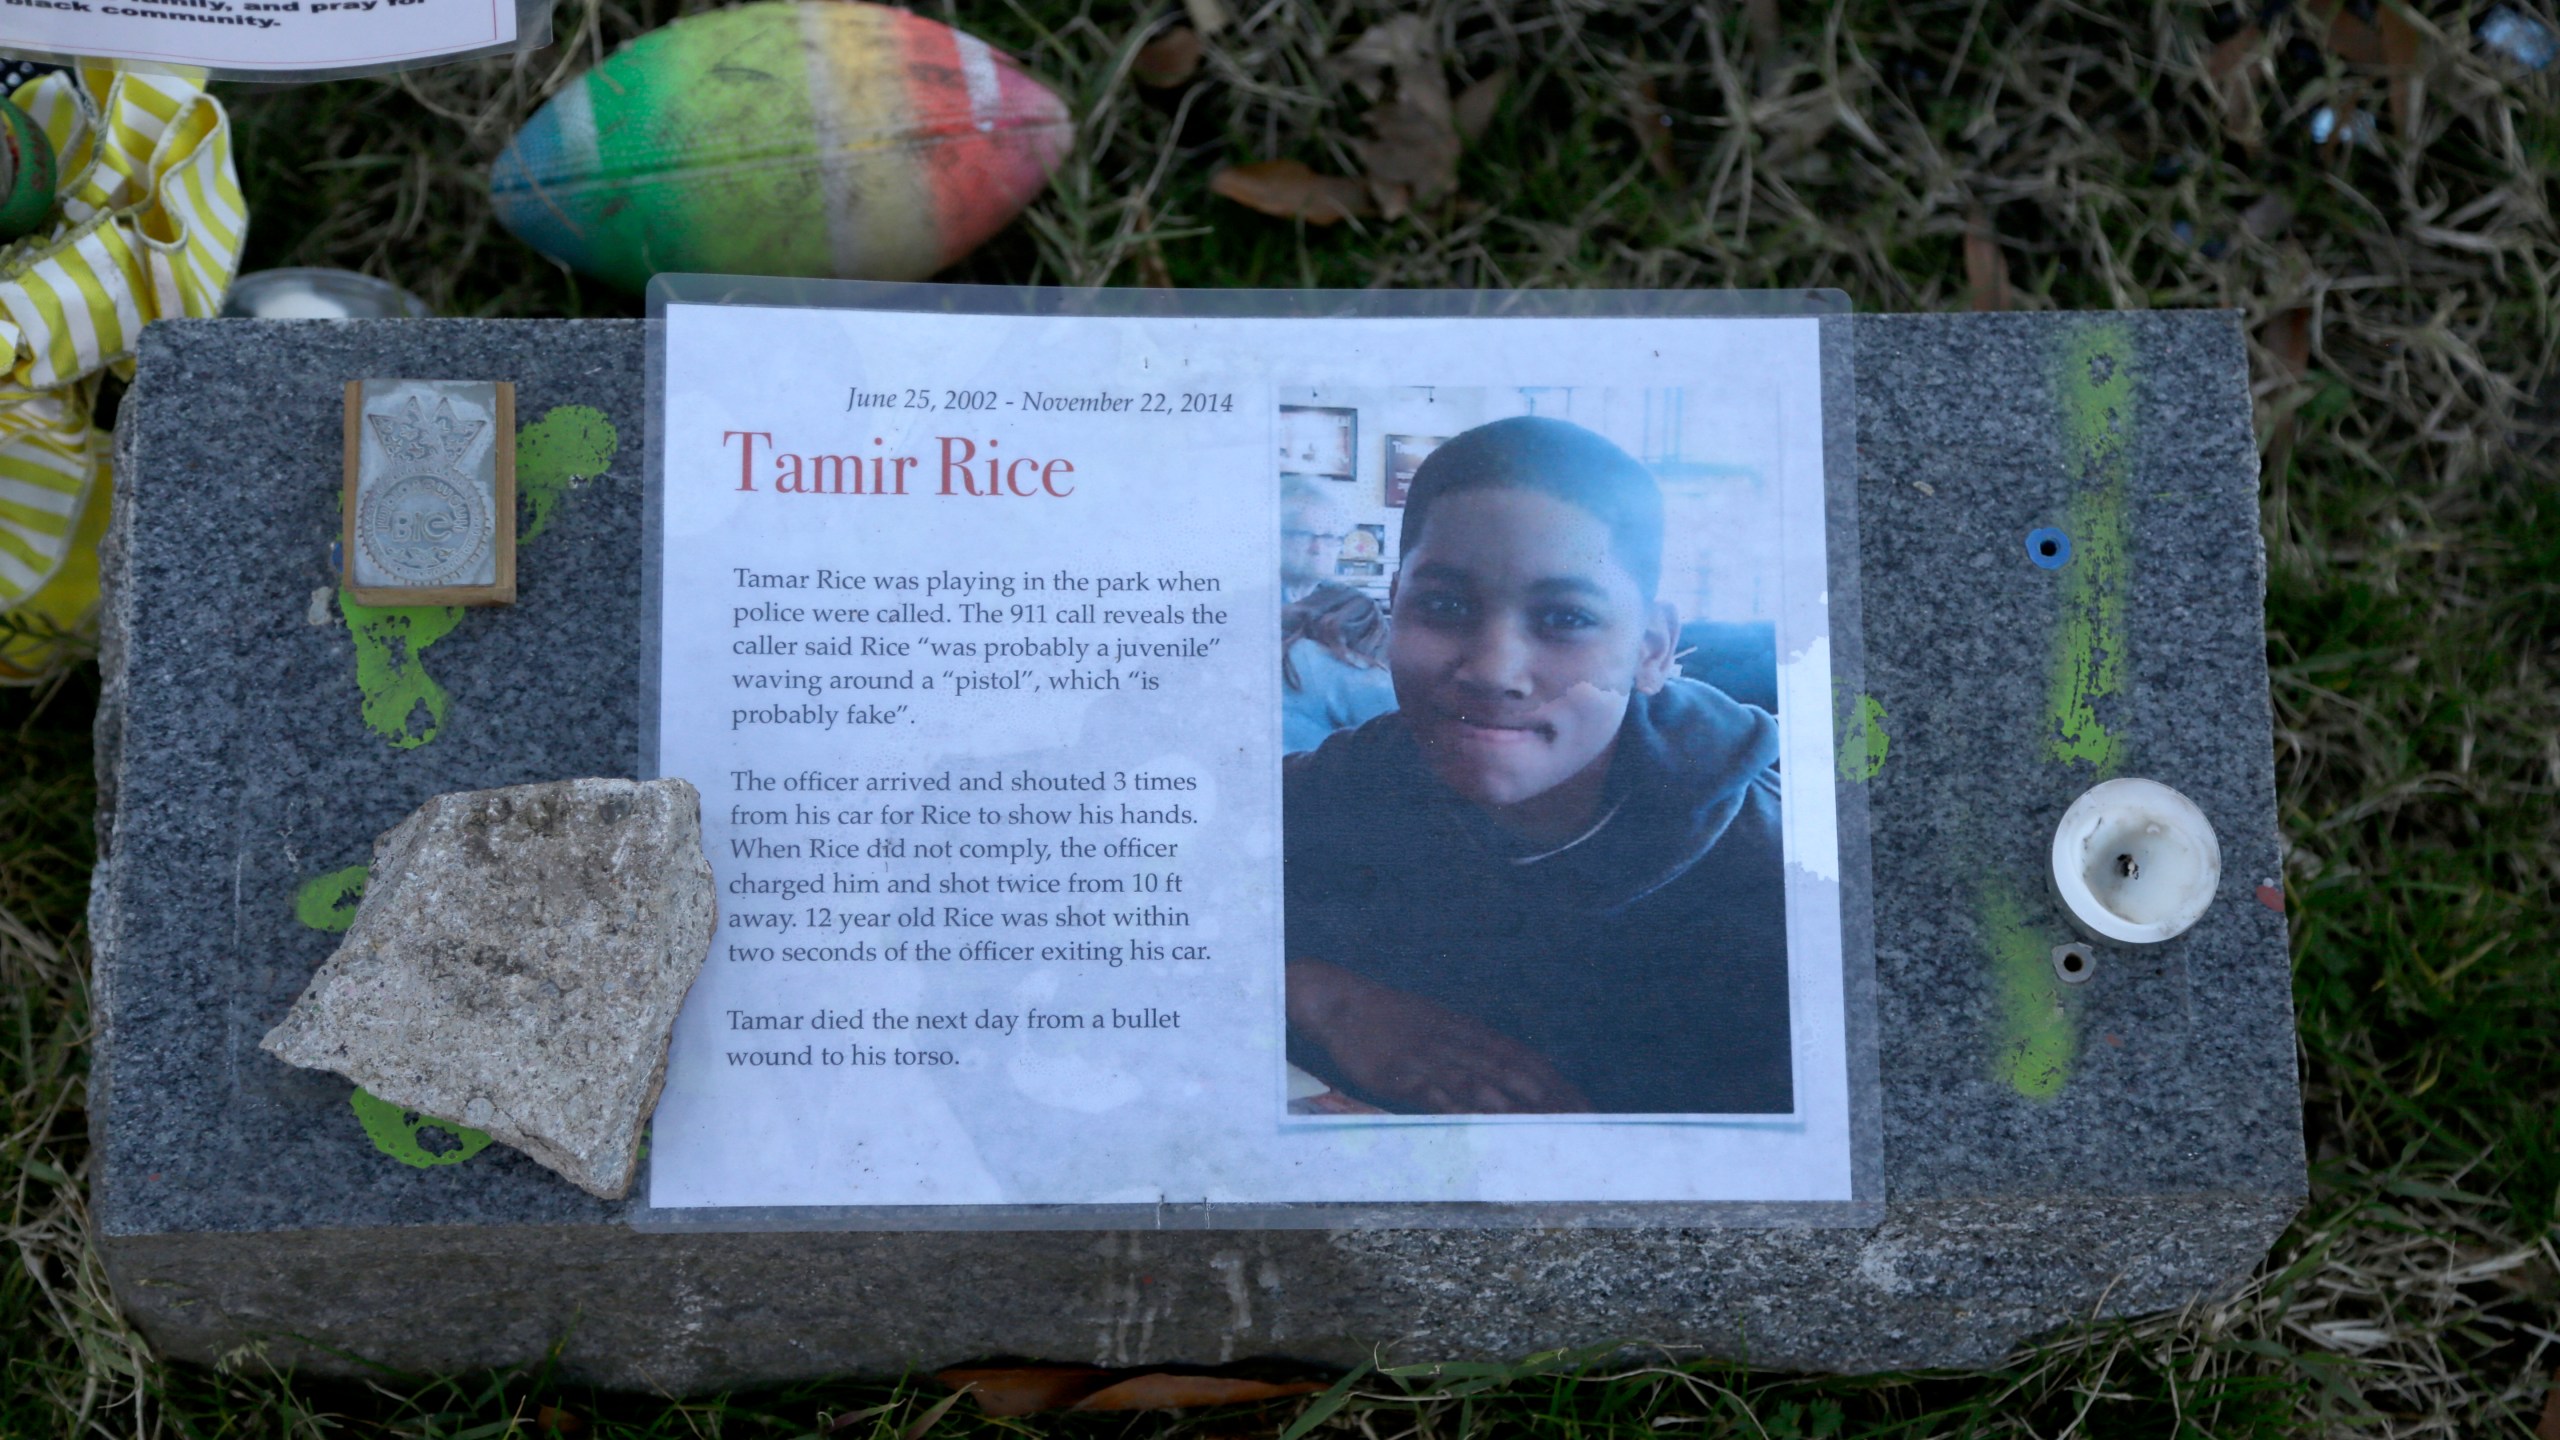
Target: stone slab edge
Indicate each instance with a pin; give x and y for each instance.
(690, 1314)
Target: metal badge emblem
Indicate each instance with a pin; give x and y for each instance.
(426, 527)
(430, 481)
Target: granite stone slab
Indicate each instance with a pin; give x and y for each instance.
(2050, 1151)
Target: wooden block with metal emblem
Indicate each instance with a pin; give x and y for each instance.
(430, 493)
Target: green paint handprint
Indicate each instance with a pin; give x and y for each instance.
(402, 702)
(328, 902)
(569, 442)
(416, 1140)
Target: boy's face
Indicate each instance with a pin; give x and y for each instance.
(1517, 640)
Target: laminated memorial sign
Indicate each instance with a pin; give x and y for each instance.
(1259, 759)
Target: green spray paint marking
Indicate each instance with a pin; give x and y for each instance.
(402, 702)
(569, 443)
(2039, 1041)
(422, 1141)
(328, 902)
(1863, 742)
(2096, 391)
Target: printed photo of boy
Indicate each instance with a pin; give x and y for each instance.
(1549, 881)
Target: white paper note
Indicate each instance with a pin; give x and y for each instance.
(258, 35)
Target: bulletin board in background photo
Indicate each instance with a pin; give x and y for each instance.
(1318, 441)
(1405, 454)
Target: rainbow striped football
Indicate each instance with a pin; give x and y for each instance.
(795, 137)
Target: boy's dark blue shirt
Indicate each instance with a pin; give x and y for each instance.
(1648, 962)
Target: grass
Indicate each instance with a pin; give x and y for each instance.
(2402, 293)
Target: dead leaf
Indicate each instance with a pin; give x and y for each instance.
(1027, 1389)
(1473, 110)
(2342, 32)
(1168, 60)
(557, 1421)
(2267, 216)
(1986, 269)
(1173, 1392)
(2401, 45)
(1207, 16)
(2287, 339)
(2390, 41)
(830, 1424)
(1291, 191)
(933, 1417)
(1413, 142)
(2233, 55)
(1415, 145)
(2231, 73)
(2549, 1429)
(1410, 155)
(1653, 127)
(1393, 49)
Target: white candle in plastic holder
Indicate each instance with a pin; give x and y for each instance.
(310, 293)
(2135, 862)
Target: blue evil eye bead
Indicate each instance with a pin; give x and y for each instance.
(2049, 548)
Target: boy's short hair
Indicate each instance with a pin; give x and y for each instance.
(1556, 458)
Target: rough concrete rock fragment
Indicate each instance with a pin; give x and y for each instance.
(516, 965)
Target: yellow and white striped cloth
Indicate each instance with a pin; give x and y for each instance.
(147, 225)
